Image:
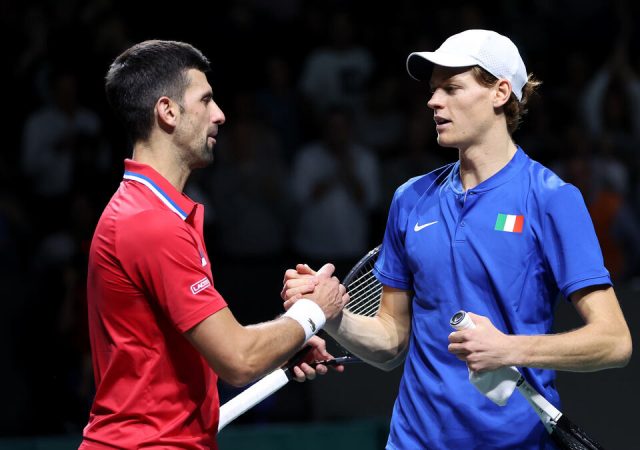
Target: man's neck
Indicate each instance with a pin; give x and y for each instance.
(163, 161)
(480, 162)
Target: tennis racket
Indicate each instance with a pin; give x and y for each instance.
(564, 433)
(365, 293)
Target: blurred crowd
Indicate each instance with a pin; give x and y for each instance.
(323, 123)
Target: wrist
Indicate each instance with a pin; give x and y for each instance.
(308, 315)
(332, 326)
(517, 353)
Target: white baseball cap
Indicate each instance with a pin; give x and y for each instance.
(493, 52)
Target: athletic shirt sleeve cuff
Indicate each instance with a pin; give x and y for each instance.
(199, 315)
(391, 282)
(570, 288)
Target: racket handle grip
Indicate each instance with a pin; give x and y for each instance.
(260, 390)
(461, 321)
(251, 397)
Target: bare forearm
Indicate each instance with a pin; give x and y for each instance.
(240, 354)
(602, 342)
(376, 340)
(265, 347)
(580, 350)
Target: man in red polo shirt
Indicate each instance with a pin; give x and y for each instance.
(160, 332)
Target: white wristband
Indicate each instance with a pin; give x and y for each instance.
(309, 315)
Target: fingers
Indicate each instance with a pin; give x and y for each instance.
(458, 341)
(345, 299)
(295, 289)
(342, 291)
(304, 269)
(303, 280)
(289, 303)
(319, 346)
(457, 337)
(326, 270)
(305, 372)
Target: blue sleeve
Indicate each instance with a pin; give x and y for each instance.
(570, 245)
(391, 267)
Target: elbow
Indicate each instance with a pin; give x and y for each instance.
(617, 354)
(239, 373)
(237, 379)
(388, 366)
(623, 351)
(390, 360)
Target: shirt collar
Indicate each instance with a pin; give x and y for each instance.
(505, 174)
(176, 201)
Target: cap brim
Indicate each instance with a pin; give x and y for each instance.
(420, 64)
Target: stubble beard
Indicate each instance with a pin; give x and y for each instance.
(205, 156)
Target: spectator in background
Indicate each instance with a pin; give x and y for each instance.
(59, 139)
(248, 189)
(337, 73)
(335, 183)
(416, 154)
(279, 104)
(611, 103)
(381, 124)
(604, 183)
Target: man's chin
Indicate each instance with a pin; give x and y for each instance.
(443, 142)
(205, 160)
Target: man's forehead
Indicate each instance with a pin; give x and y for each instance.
(441, 73)
(197, 80)
(196, 76)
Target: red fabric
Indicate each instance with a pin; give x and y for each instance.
(153, 389)
(517, 226)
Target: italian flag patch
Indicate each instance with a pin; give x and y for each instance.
(510, 223)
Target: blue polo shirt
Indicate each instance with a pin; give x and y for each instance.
(504, 250)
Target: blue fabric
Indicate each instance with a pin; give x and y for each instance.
(462, 262)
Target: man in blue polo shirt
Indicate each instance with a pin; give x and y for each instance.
(496, 234)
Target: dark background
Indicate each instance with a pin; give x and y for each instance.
(584, 125)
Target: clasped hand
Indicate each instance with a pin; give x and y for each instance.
(330, 295)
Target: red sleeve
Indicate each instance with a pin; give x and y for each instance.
(160, 253)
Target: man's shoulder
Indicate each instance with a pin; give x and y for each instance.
(135, 216)
(421, 184)
(545, 183)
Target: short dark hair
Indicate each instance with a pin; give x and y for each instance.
(145, 72)
(514, 109)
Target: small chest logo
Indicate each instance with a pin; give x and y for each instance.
(201, 285)
(509, 223)
(418, 227)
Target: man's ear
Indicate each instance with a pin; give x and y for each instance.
(167, 112)
(502, 93)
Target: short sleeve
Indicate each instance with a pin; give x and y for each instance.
(570, 245)
(161, 255)
(391, 267)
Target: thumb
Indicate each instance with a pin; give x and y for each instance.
(304, 269)
(326, 271)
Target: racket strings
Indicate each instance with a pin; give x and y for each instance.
(365, 299)
(364, 292)
(365, 274)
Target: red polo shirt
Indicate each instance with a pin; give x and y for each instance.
(150, 281)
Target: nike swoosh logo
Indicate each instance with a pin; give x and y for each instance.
(420, 227)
